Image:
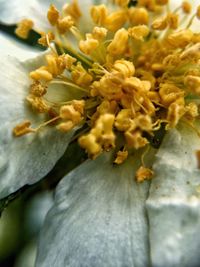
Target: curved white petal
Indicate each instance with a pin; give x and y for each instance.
(26, 159)
(174, 202)
(98, 218)
(11, 47)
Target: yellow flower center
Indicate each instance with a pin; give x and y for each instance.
(137, 72)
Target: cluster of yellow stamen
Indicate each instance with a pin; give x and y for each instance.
(137, 70)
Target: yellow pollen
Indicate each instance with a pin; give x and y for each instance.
(37, 103)
(139, 32)
(121, 157)
(115, 20)
(169, 93)
(89, 45)
(192, 111)
(186, 7)
(65, 126)
(143, 174)
(53, 15)
(80, 76)
(38, 89)
(162, 2)
(191, 52)
(41, 74)
(125, 67)
(72, 9)
(23, 28)
(64, 24)
(99, 33)
(173, 20)
(22, 128)
(99, 14)
(123, 120)
(119, 43)
(138, 16)
(160, 24)
(175, 112)
(193, 83)
(46, 39)
(198, 12)
(180, 38)
(135, 140)
(122, 3)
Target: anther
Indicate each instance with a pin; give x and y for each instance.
(64, 24)
(53, 15)
(125, 67)
(46, 39)
(193, 83)
(186, 7)
(115, 20)
(38, 89)
(143, 174)
(162, 2)
(89, 45)
(99, 14)
(65, 126)
(41, 74)
(119, 43)
(139, 32)
(180, 38)
(121, 157)
(122, 3)
(23, 28)
(198, 12)
(72, 9)
(22, 129)
(99, 33)
(160, 24)
(138, 16)
(80, 76)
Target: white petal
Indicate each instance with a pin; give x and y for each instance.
(27, 159)
(174, 202)
(11, 47)
(98, 218)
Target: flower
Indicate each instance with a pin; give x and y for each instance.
(132, 76)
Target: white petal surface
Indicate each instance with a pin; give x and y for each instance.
(174, 202)
(27, 159)
(98, 218)
(11, 47)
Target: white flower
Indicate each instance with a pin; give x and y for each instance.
(101, 215)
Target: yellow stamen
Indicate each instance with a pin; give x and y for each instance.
(23, 28)
(53, 15)
(129, 78)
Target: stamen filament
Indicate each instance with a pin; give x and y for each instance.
(69, 84)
